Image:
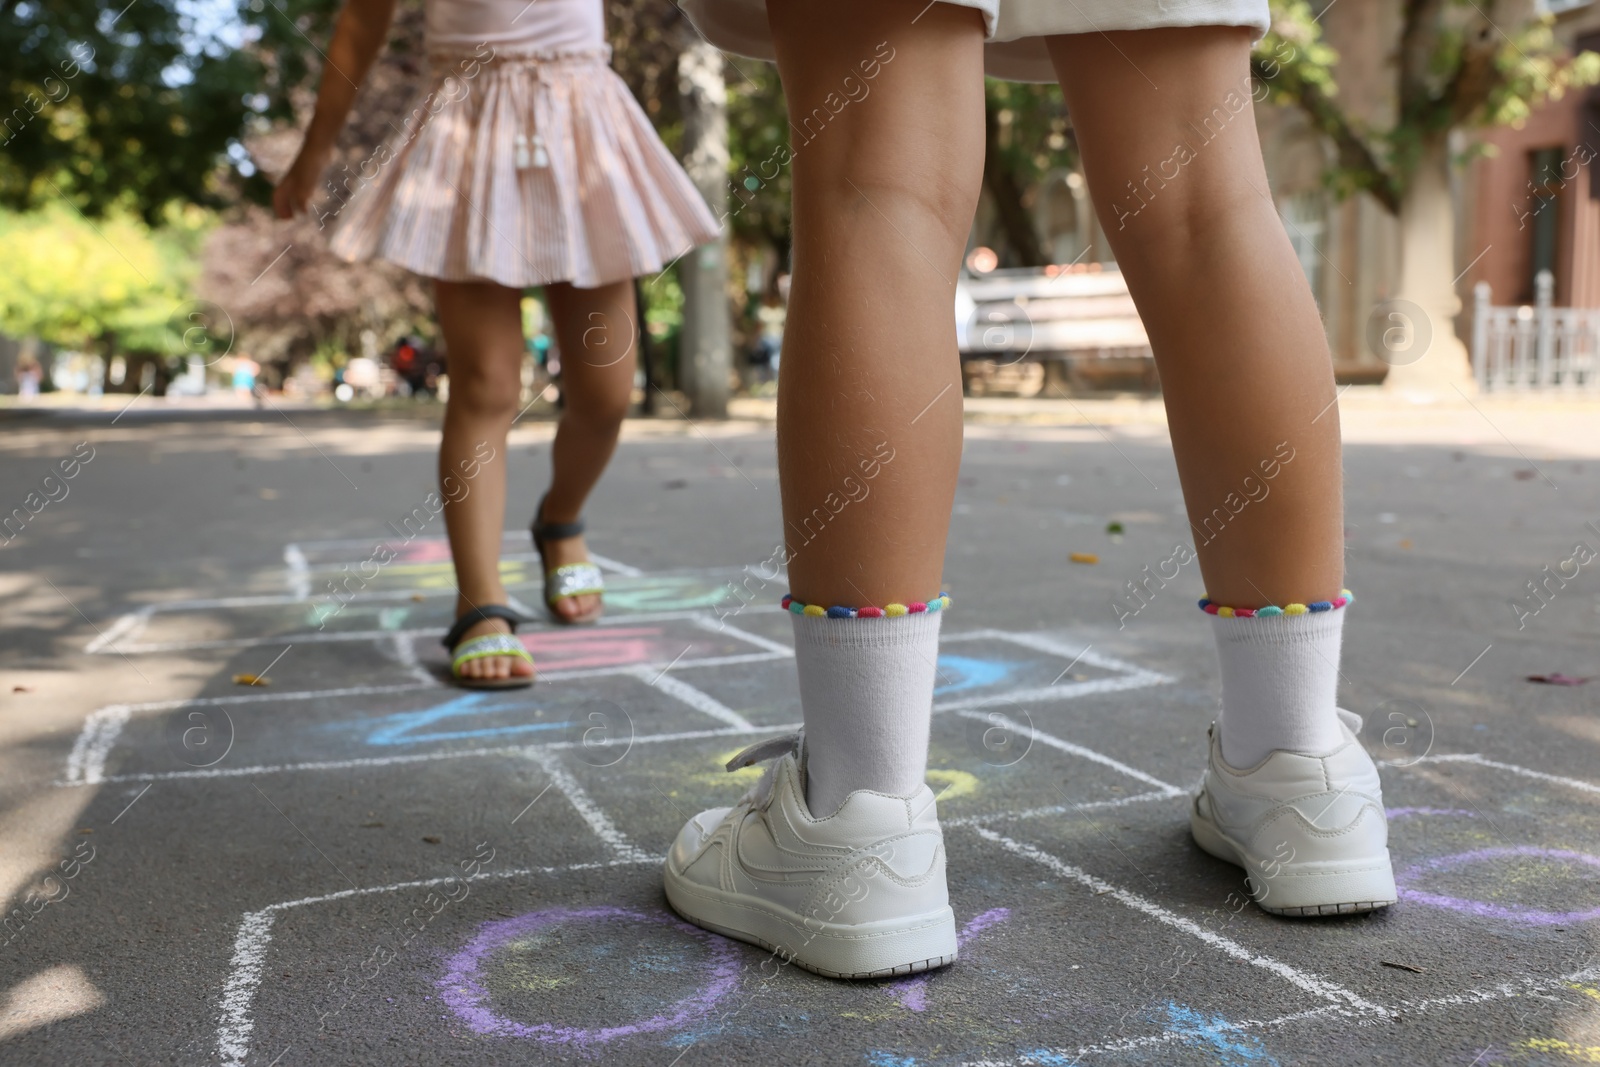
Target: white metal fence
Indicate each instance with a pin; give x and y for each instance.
(1535, 346)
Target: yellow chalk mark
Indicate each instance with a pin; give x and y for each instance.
(721, 777)
(1581, 1053)
(1587, 990)
(952, 784)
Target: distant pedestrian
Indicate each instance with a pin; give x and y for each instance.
(835, 857)
(29, 376)
(245, 370)
(525, 163)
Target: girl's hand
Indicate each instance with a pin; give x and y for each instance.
(293, 194)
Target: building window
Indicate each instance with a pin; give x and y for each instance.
(1543, 229)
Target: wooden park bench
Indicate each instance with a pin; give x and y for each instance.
(1053, 329)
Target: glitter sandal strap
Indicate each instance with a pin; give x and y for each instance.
(572, 579)
(486, 645)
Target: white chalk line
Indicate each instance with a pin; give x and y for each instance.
(102, 728)
(719, 625)
(416, 757)
(87, 761)
(255, 935)
(1056, 809)
(404, 647)
(697, 699)
(1526, 772)
(1125, 675)
(1130, 1044)
(1077, 750)
(1313, 984)
(299, 572)
(335, 636)
(587, 809)
(1504, 991)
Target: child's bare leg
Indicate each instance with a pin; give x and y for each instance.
(869, 398)
(599, 347)
(482, 325)
(884, 194)
(1244, 363)
(1289, 794)
(869, 440)
(1243, 360)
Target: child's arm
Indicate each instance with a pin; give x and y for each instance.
(362, 28)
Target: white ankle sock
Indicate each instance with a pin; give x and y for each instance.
(866, 693)
(1280, 683)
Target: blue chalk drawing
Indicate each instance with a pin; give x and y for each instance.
(964, 672)
(1046, 1058)
(1233, 1047)
(889, 1059)
(401, 728)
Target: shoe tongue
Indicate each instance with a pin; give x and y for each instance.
(1350, 719)
(761, 751)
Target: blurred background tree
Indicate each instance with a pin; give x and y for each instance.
(1026, 135)
(148, 136)
(1458, 64)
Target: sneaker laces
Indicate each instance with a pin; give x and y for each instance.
(770, 751)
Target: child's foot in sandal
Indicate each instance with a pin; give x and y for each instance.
(573, 586)
(485, 652)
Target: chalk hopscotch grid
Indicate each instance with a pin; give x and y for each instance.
(87, 763)
(255, 928)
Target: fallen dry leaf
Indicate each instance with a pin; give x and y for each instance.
(1556, 678)
(1084, 557)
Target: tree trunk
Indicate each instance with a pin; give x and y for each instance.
(1415, 333)
(704, 348)
(1006, 192)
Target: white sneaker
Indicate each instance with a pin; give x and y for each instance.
(1310, 831)
(858, 894)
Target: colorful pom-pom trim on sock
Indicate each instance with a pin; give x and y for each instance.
(1339, 601)
(938, 603)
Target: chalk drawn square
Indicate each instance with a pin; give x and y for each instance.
(977, 669)
(1498, 875)
(587, 964)
(313, 733)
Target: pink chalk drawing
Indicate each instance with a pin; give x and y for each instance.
(1516, 913)
(614, 646)
(463, 988)
(912, 993)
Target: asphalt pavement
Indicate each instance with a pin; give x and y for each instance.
(355, 863)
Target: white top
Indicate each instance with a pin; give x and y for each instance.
(520, 25)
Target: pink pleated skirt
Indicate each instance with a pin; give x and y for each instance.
(524, 170)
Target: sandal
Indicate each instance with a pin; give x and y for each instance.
(485, 645)
(569, 579)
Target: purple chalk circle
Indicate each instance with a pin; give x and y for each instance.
(1517, 913)
(463, 988)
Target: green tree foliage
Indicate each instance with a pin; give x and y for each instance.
(1026, 135)
(1460, 63)
(111, 282)
(138, 105)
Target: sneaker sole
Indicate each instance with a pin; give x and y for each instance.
(833, 950)
(1302, 892)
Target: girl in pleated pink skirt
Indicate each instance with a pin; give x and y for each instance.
(525, 162)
